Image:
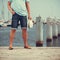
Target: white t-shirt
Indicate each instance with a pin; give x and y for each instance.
(19, 6)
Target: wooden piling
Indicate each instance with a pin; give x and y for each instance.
(39, 32)
(58, 27)
(55, 29)
(49, 32)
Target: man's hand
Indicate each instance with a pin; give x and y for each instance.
(29, 17)
(12, 12)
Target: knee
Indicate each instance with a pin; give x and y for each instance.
(13, 30)
(24, 30)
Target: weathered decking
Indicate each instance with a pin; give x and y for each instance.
(19, 53)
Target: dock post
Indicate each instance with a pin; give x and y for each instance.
(5, 10)
(39, 32)
(55, 32)
(55, 29)
(58, 27)
(2, 10)
(58, 32)
(49, 32)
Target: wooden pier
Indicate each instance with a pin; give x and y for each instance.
(36, 53)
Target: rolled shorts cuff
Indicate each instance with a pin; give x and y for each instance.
(14, 28)
(23, 27)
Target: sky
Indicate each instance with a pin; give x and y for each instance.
(43, 8)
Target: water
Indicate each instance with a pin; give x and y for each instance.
(18, 41)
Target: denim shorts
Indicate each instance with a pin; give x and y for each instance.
(16, 19)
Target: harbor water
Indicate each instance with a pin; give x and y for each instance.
(18, 41)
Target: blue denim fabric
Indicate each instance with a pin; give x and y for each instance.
(15, 21)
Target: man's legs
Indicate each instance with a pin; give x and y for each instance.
(23, 22)
(25, 38)
(12, 34)
(14, 25)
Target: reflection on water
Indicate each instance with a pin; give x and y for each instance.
(49, 42)
(58, 41)
(55, 42)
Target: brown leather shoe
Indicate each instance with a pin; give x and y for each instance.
(10, 48)
(27, 47)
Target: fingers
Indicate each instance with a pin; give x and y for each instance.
(29, 17)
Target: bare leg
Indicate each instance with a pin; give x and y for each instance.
(12, 34)
(25, 37)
